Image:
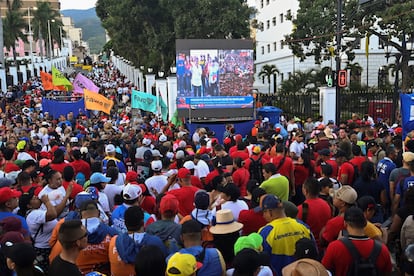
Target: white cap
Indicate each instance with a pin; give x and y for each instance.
(189, 165)
(146, 141)
(156, 165)
(156, 153)
(84, 150)
(265, 120)
(162, 138)
(182, 144)
(110, 148)
(131, 191)
(179, 154)
(74, 139)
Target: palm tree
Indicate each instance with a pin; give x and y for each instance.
(14, 24)
(41, 17)
(268, 71)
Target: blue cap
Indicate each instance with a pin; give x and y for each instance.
(83, 197)
(269, 202)
(98, 178)
(93, 192)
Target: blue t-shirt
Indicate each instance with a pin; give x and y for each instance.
(119, 221)
(22, 219)
(384, 169)
(401, 189)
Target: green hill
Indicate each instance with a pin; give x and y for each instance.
(92, 30)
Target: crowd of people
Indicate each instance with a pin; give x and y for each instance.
(128, 194)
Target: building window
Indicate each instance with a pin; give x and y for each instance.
(267, 2)
(268, 48)
(282, 44)
(281, 18)
(282, 77)
(262, 50)
(274, 46)
(268, 24)
(274, 21)
(261, 3)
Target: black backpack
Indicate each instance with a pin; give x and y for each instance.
(255, 169)
(361, 266)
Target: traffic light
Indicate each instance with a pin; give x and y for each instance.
(342, 78)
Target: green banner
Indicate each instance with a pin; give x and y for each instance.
(148, 102)
(58, 79)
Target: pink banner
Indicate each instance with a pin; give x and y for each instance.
(81, 82)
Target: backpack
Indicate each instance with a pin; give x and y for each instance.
(361, 266)
(407, 232)
(255, 169)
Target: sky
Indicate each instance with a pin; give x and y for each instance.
(77, 4)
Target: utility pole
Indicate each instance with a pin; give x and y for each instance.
(338, 61)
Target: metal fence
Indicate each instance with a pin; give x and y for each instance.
(376, 103)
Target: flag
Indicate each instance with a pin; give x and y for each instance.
(81, 82)
(148, 103)
(46, 80)
(48, 84)
(175, 120)
(59, 79)
(367, 44)
(95, 101)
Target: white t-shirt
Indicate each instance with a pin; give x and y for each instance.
(111, 190)
(55, 197)
(156, 182)
(103, 201)
(235, 207)
(201, 169)
(24, 156)
(34, 220)
(297, 148)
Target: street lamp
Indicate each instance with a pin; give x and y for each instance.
(30, 34)
(50, 37)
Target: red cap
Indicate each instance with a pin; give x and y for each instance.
(54, 148)
(183, 173)
(238, 137)
(6, 194)
(131, 176)
(398, 131)
(169, 203)
(257, 122)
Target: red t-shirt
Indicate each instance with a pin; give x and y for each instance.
(287, 167)
(319, 213)
(332, 228)
(338, 260)
(346, 169)
(196, 182)
(240, 178)
(240, 153)
(59, 167)
(11, 167)
(26, 189)
(81, 166)
(252, 221)
(301, 174)
(185, 196)
(76, 188)
(247, 162)
(357, 161)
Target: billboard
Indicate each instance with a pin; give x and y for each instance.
(214, 74)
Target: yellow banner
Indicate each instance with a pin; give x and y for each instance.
(73, 59)
(95, 101)
(87, 67)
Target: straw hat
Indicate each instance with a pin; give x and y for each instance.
(225, 223)
(305, 267)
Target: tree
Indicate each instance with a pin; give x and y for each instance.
(267, 72)
(14, 25)
(146, 33)
(315, 28)
(41, 17)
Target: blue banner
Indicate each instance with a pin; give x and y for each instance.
(215, 102)
(407, 113)
(57, 108)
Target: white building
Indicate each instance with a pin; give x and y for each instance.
(271, 49)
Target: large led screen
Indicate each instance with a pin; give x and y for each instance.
(214, 74)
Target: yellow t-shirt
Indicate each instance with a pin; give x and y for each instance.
(372, 231)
